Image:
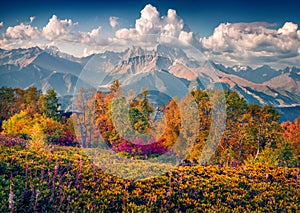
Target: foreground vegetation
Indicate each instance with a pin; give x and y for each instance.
(251, 133)
(56, 178)
(47, 161)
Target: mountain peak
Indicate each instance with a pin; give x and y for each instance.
(172, 52)
(52, 50)
(134, 51)
(31, 50)
(238, 68)
(266, 66)
(20, 57)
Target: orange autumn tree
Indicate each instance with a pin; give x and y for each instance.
(103, 113)
(250, 129)
(84, 117)
(171, 124)
(291, 131)
(103, 122)
(15, 100)
(251, 132)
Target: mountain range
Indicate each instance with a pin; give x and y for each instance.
(169, 70)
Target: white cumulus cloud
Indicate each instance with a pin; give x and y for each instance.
(186, 37)
(93, 38)
(4, 43)
(172, 25)
(31, 19)
(127, 33)
(149, 21)
(57, 29)
(22, 32)
(288, 27)
(152, 23)
(64, 30)
(252, 43)
(113, 21)
(1, 24)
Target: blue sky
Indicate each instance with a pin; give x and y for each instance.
(83, 27)
(201, 16)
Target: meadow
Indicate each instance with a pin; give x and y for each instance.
(64, 179)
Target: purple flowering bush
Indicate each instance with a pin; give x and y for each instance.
(12, 141)
(141, 148)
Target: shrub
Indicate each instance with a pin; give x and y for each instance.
(40, 128)
(141, 148)
(12, 141)
(65, 180)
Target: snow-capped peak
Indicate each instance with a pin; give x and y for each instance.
(52, 50)
(239, 68)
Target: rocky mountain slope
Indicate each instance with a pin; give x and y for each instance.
(165, 69)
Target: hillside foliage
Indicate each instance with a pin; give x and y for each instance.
(251, 132)
(64, 179)
(45, 164)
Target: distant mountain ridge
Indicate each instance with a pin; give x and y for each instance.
(259, 75)
(135, 67)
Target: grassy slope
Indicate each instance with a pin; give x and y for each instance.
(63, 179)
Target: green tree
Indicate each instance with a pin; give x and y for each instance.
(7, 100)
(31, 100)
(140, 111)
(50, 106)
(232, 145)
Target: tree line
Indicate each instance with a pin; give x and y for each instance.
(29, 114)
(252, 133)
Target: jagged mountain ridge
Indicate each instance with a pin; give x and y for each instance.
(259, 75)
(50, 68)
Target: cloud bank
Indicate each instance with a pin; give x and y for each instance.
(253, 42)
(151, 23)
(231, 43)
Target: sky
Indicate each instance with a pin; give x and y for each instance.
(230, 32)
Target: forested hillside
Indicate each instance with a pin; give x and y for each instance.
(255, 167)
